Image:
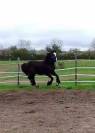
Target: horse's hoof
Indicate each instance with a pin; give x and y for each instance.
(37, 86)
(58, 85)
(49, 83)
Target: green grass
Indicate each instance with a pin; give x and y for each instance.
(44, 87)
(11, 66)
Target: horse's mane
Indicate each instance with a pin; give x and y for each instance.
(50, 58)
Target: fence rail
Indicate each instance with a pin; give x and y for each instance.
(75, 74)
(62, 75)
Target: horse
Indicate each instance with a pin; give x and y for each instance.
(45, 67)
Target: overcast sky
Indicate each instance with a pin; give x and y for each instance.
(40, 21)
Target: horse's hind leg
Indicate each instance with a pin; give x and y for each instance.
(50, 82)
(32, 79)
(57, 77)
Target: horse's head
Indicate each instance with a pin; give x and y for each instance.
(51, 57)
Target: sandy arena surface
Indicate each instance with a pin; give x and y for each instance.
(61, 111)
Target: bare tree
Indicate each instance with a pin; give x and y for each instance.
(93, 45)
(56, 45)
(1, 46)
(24, 44)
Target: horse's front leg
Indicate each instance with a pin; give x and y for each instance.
(57, 77)
(32, 79)
(50, 82)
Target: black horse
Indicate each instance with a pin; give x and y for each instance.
(45, 67)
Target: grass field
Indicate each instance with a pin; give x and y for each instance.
(11, 66)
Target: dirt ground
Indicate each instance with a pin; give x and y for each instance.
(60, 111)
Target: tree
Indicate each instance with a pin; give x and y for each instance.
(1, 46)
(55, 45)
(24, 44)
(93, 45)
(12, 51)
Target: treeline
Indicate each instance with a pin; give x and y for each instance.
(13, 53)
(23, 50)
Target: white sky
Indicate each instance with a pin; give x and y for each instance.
(69, 20)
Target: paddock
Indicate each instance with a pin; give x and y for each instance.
(70, 74)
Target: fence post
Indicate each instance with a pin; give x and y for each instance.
(76, 68)
(18, 80)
